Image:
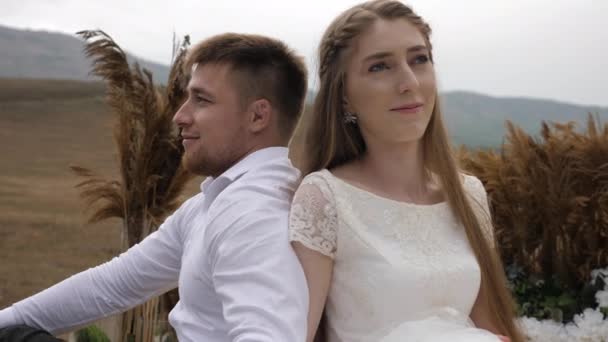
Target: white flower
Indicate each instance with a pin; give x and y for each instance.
(602, 298)
(589, 326)
(592, 326)
(600, 272)
(543, 331)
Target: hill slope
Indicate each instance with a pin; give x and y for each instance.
(46, 55)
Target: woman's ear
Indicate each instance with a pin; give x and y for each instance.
(345, 104)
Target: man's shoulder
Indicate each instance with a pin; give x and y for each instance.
(265, 182)
(279, 171)
(258, 202)
(192, 201)
(263, 190)
(190, 206)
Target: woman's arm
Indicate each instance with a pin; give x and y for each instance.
(318, 269)
(313, 226)
(480, 313)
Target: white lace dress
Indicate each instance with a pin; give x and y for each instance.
(402, 272)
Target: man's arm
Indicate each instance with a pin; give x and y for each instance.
(147, 269)
(257, 276)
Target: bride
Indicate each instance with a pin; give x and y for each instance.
(396, 242)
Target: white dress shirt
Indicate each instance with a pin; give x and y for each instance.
(226, 249)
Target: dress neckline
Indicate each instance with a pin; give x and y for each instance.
(379, 197)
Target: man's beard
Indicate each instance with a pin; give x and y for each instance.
(205, 164)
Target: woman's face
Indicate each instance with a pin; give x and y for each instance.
(390, 82)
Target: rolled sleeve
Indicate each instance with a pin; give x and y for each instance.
(8, 317)
(146, 270)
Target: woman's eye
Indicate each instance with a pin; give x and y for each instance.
(421, 59)
(378, 67)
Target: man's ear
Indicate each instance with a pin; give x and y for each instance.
(260, 115)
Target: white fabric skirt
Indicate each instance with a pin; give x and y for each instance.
(443, 325)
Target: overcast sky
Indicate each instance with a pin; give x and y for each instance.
(556, 49)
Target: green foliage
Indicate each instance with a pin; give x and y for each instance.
(91, 334)
(549, 298)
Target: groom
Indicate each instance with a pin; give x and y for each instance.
(226, 249)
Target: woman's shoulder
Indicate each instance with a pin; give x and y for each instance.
(473, 187)
(319, 177)
(471, 183)
(316, 183)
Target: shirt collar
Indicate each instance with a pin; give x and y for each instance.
(247, 163)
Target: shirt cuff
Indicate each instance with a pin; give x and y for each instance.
(9, 317)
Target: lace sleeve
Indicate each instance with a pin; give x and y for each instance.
(482, 208)
(313, 219)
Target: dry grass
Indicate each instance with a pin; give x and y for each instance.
(148, 143)
(151, 176)
(44, 236)
(40, 90)
(549, 199)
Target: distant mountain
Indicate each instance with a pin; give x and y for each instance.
(479, 120)
(473, 119)
(46, 55)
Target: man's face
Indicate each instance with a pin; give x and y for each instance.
(212, 121)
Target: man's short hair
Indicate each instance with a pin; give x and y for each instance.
(264, 68)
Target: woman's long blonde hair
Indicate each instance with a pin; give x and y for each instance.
(329, 142)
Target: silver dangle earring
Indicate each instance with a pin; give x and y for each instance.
(350, 118)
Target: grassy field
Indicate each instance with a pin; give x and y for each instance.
(46, 126)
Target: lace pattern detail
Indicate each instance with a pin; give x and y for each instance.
(396, 260)
(313, 219)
